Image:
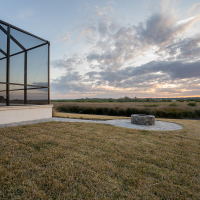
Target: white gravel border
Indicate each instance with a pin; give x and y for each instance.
(126, 123)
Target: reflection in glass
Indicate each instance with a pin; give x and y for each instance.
(2, 87)
(16, 97)
(16, 94)
(24, 39)
(37, 96)
(3, 70)
(37, 69)
(33, 68)
(4, 26)
(3, 40)
(2, 94)
(2, 55)
(17, 68)
(14, 48)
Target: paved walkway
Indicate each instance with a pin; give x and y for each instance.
(159, 125)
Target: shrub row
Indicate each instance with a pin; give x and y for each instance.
(162, 113)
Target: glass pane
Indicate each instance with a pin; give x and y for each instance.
(14, 48)
(4, 26)
(3, 70)
(17, 68)
(3, 87)
(16, 97)
(3, 39)
(16, 87)
(25, 40)
(2, 94)
(37, 96)
(2, 55)
(37, 66)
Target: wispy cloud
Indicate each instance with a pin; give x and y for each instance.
(64, 37)
(114, 47)
(25, 13)
(103, 10)
(67, 62)
(195, 8)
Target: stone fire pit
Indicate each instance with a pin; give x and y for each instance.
(142, 119)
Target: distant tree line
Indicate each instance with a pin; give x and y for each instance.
(128, 99)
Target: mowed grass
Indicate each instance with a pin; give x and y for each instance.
(58, 160)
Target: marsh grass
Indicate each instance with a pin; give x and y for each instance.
(192, 104)
(54, 112)
(57, 160)
(175, 111)
(150, 105)
(173, 105)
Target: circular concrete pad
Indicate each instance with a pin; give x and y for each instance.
(159, 125)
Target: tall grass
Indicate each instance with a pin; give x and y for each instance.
(162, 112)
(192, 104)
(150, 105)
(53, 112)
(173, 104)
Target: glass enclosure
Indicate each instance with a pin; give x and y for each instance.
(24, 67)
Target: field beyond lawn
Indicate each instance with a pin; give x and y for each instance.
(175, 110)
(60, 160)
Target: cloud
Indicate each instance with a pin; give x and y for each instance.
(114, 49)
(153, 76)
(187, 49)
(25, 13)
(40, 83)
(64, 37)
(111, 2)
(114, 46)
(103, 10)
(162, 29)
(89, 34)
(71, 82)
(67, 63)
(175, 69)
(195, 8)
(185, 20)
(155, 71)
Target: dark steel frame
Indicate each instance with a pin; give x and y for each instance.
(24, 50)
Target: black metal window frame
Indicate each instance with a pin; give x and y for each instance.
(24, 50)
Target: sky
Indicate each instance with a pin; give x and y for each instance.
(115, 48)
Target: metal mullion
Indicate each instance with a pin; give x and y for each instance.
(23, 31)
(26, 85)
(4, 53)
(3, 58)
(8, 67)
(25, 77)
(48, 73)
(28, 49)
(14, 40)
(22, 89)
(17, 53)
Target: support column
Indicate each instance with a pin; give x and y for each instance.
(8, 68)
(49, 73)
(25, 77)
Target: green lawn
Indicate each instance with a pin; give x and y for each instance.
(58, 160)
